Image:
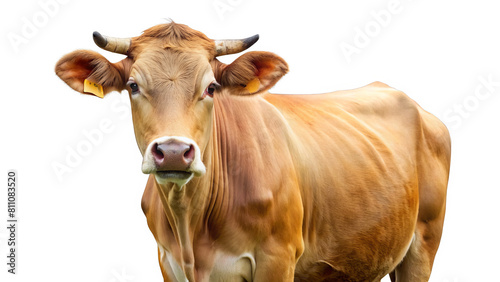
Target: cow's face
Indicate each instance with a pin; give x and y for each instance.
(172, 77)
(171, 94)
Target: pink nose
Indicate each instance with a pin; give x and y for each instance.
(173, 155)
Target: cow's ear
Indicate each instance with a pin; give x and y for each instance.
(87, 67)
(253, 73)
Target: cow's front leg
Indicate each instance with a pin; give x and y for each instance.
(281, 246)
(275, 261)
(278, 254)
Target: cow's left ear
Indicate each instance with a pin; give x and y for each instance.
(253, 73)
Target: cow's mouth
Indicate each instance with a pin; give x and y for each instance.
(173, 174)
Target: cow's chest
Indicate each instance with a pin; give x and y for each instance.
(220, 266)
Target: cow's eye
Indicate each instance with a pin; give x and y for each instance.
(134, 87)
(211, 88)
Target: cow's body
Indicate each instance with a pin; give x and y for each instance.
(352, 165)
(249, 186)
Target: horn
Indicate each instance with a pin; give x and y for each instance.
(112, 44)
(229, 46)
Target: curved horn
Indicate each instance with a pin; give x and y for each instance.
(112, 44)
(229, 46)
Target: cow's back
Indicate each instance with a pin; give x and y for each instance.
(357, 157)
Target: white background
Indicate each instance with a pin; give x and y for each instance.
(88, 225)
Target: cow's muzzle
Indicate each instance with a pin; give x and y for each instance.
(173, 159)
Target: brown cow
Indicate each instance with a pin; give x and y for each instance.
(343, 186)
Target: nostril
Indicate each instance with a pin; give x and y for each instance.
(157, 153)
(189, 154)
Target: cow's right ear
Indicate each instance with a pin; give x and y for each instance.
(83, 66)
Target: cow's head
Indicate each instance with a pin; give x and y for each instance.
(172, 76)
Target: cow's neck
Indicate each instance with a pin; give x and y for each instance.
(176, 204)
(183, 207)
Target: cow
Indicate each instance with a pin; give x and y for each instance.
(245, 185)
